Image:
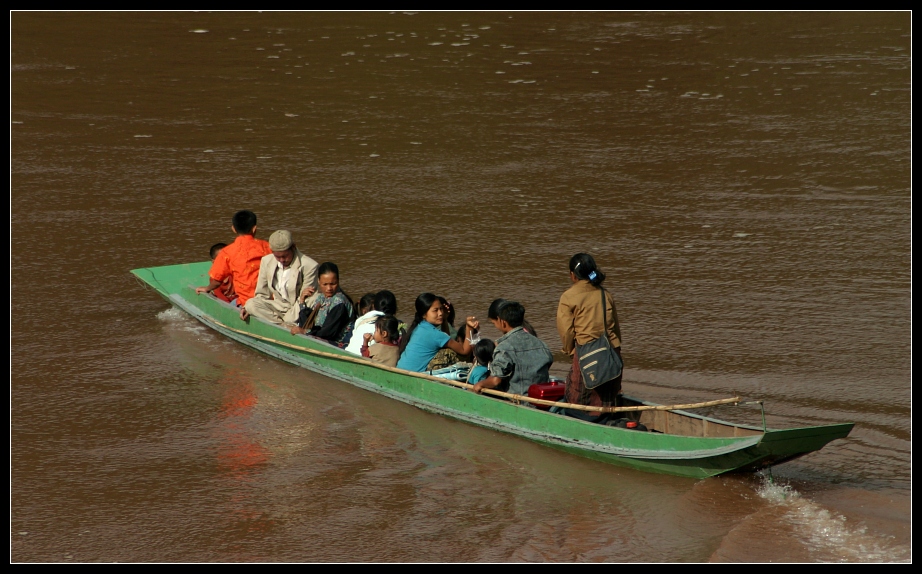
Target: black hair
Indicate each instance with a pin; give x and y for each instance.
(583, 266)
(215, 249)
(386, 302)
(423, 303)
(367, 303)
(390, 325)
(483, 351)
(244, 221)
(493, 311)
(328, 267)
(513, 313)
(527, 326)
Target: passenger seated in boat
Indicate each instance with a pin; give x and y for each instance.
(365, 324)
(483, 355)
(226, 291)
(331, 316)
(520, 359)
(215, 249)
(386, 302)
(446, 357)
(425, 337)
(239, 260)
(386, 350)
(286, 277)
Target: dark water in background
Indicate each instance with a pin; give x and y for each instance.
(744, 179)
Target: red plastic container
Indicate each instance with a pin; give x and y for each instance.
(550, 391)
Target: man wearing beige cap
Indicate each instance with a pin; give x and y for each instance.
(285, 276)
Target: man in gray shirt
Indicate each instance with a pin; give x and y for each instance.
(520, 359)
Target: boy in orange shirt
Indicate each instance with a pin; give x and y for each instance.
(239, 260)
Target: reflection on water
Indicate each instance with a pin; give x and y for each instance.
(742, 178)
(240, 453)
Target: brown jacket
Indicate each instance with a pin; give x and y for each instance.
(384, 354)
(579, 316)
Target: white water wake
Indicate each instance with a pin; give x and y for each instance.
(828, 536)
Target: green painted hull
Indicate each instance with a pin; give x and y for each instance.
(691, 456)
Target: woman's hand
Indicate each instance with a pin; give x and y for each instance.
(307, 292)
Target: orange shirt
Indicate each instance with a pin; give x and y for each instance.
(240, 260)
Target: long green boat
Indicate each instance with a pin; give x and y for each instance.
(677, 442)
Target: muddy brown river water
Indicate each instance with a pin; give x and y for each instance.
(744, 179)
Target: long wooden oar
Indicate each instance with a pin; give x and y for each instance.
(462, 385)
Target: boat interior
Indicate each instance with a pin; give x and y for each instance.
(684, 423)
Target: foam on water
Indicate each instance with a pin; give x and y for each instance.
(181, 321)
(174, 315)
(829, 536)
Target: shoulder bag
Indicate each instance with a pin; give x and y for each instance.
(306, 316)
(598, 361)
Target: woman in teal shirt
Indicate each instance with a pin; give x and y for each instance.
(424, 338)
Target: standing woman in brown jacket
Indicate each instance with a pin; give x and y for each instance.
(581, 319)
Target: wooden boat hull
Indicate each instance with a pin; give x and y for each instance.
(738, 448)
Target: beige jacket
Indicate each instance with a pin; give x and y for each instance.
(580, 319)
(303, 274)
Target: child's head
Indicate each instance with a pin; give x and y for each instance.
(215, 249)
(483, 351)
(386, 302)
(512, 313)
(493, 311)
(387, 329)
(244, 222)
(367, 303)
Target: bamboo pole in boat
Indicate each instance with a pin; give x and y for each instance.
(463, 385)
